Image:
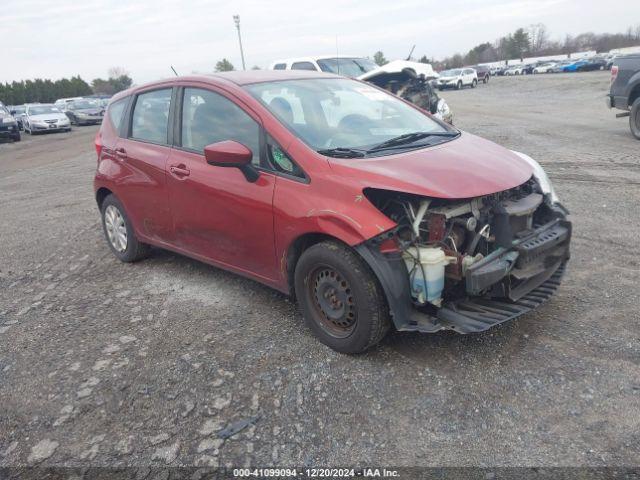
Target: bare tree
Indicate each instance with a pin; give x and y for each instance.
(538, 37)
(117, 72)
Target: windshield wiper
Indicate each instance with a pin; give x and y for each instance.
(342, 152)
(409, 138)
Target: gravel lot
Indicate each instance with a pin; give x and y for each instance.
(103, 363)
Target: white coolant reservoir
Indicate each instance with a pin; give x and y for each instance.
(426, 273)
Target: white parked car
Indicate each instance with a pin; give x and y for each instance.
(347, 65)
(517, 70)
(458, 78)
(45, 118)
(61, 103)
(544, 68)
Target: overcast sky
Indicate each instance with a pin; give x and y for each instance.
(60, 38)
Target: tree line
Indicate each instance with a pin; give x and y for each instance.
(534, 41)
(531, 41)
(48, 91)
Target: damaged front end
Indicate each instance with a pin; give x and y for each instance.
(416, 89)
(469, 264)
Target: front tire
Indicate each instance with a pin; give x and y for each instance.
(119, 232)
(341, 299)
(17, 137)
(486, 79)
(634, 119)
(459, 85)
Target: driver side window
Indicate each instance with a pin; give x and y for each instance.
(208, 117)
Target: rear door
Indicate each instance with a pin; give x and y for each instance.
(142, 155)
(218, 214)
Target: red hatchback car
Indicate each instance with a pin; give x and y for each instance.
(362, 206)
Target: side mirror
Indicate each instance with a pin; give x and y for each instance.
(12, 112)
(230, 153)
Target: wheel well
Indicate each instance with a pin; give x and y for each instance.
(101, 194)
(635, 93)
(296, 249)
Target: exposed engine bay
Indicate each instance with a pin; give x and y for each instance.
(416, 89)
(498, 246)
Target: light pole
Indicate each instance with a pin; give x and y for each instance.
(236, 19)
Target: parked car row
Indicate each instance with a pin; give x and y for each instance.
(568, 65)
(52, 117)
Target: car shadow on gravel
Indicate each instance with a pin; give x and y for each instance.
(193, 279)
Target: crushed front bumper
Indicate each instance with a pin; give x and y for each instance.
(501, 287)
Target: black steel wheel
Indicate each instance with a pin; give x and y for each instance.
(341, 299)
(333, 301)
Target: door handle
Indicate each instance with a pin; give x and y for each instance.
(179, 170)
(120, 153)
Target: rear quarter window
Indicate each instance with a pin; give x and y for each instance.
(280, 66)
(115, 112)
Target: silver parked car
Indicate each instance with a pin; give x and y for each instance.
(84, 111)
(44, 117)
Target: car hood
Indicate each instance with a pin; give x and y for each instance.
(466, 167)
(47, 116)
(5, 115)
(398, 66)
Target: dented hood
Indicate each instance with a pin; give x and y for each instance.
(465, 167)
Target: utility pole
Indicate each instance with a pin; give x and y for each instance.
(236, 19)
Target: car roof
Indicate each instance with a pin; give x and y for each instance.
(313, 58)
(235, 78)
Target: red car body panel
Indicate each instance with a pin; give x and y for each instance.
(215, 215)
(467, 167)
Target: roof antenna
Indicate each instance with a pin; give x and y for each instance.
(411, 53)
(337, 58)
(174, 70)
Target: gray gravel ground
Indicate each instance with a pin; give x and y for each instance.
(103, 363)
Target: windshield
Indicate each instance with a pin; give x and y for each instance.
(19, 109)
(80, 104)
(4, 110)
(341, 113)
(451, 73)
(42, 109)
(349, 67)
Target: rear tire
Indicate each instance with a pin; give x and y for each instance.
(17, 137)
(486, 79)
(474, 83)
(119, 232)
(634, 119)
(341, 299)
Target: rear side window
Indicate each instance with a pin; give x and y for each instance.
(116, 111)
(208, 117)
(303, 66)
(151, 116)
(280, 66)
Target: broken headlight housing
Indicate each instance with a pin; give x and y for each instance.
(541, 177)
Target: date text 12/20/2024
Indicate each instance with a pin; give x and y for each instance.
(315, 472)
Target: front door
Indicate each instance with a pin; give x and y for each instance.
(217, 213)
